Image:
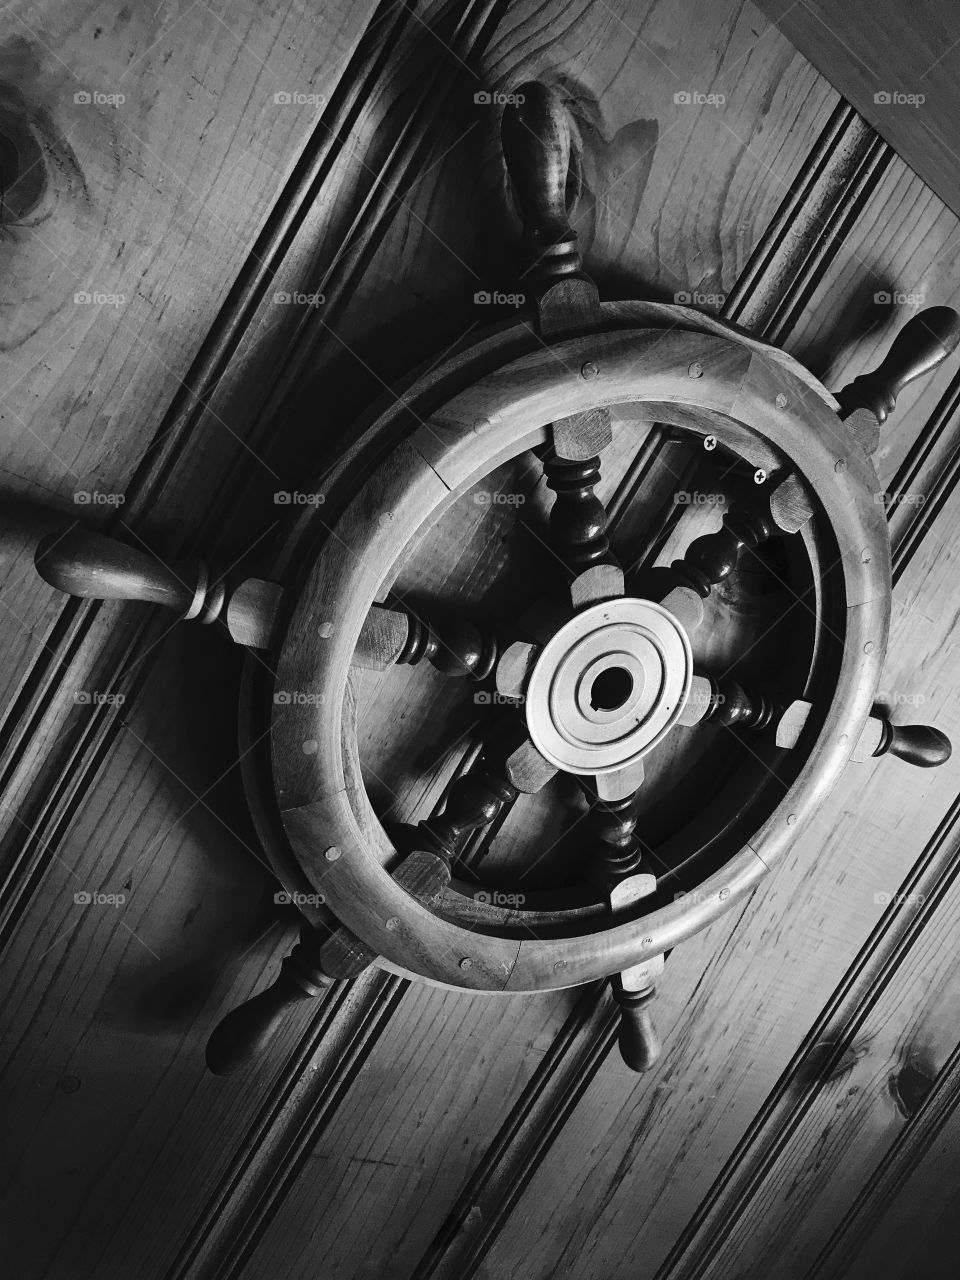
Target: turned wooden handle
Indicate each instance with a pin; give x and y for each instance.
(323, 955)
(918, 744)
(638, 1039)
(536, 137)
(247, 1030)
(96, 567)
(922, 344)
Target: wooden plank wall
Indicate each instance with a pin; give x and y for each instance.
(806, 1092)
(897, 64)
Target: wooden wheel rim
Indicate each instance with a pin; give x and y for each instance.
(712, 384)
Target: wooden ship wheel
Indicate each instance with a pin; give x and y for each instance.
(672, 743)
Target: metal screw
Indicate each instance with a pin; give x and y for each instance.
(710, 442)
(325, 630)
(310, 747)
(466, 963)
(559, 966)
(869, 647)
(865, 556)
(589, 370)
(724, 894)
(646, 942)
(840, 465)
(331, 854)
(393, 924)
(759, 476)
(695, 370)
(781, 401)
(791, 819)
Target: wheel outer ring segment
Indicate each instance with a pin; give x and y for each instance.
(739, 388)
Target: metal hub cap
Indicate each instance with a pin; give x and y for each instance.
(608, 686)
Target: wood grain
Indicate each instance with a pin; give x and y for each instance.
(179, 1160)
(897, 68)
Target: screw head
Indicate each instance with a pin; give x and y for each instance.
(325, 630)
(724, 894)
(869, 647)
(466, 963)
(695, 370)
(781, 401)
(840, 465)
(589, 370)
(331, 854)
(759, 476)
(791, 819)
(559, 966)
(709, 442)
(393, 924)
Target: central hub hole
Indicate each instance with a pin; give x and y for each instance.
(611, 689)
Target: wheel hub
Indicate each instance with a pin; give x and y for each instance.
(608, 686)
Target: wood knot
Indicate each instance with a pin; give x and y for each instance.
(911, 1083)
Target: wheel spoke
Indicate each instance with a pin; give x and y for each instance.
(790, 505)
(698, 703)
(598, 583)
(514, 667)
(686, 606)
(578, 519)
(725, 702)
(613, 822)
(620, 783)
(526, 769)
(711, 558)
(509, 766)
(635, 988)
(453, 644)
(791, 723)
